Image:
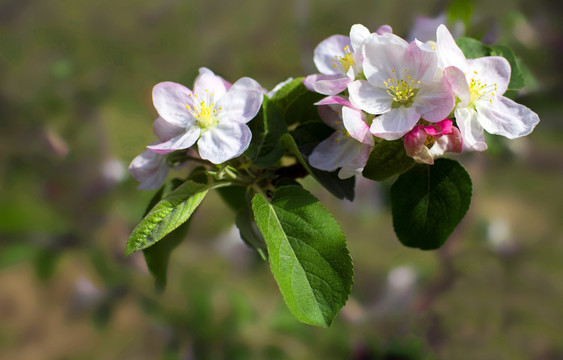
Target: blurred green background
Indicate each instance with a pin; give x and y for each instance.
(75, 108)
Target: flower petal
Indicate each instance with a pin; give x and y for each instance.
(179, 142)
(449, 54)
(241, 103)
(209, 86)
(327, 84)
(330, 116)
(492, 71)
(384, 29)
(333, 152)
(355, 123)
(395, 123)
(225, 141)
(471, 132)
(326, 51)
(459, 85)
(374, 100)
(382, 54)
(165, 130)
(225, 82)
(420, 64)
(357, 163)
(149, 169)
(170, 100)
(358, 34)
(506, 117)
(435, 100)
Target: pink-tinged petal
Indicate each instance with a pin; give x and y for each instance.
(165, 130)
(331, 86)
(224, 142)
(241, 103)
(358, 34)
(225, 82)
(494, 71)
(170, 100)
(355, 123)
(435, 100)
(384, 29)
(326, 51)
(440, 128)
(449, 54)
(374, 100)
(382, 54)
(421, 64)
(395, 123)
(149, 169)
(452, 142)
(330, 116)
(506, 117)
(182, 141)
(459, 85)
(357, 163)
(414, 140)
(471, 131)
(326, 84)
(334, 100)
(209, 86)
(333, 152)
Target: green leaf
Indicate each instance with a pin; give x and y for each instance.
(307, 253)
(296, 102)
(428, 202)
(472, 48)
(169, 213)
(158, 255)
(342, 189)
(267, 128)
(249, 232)
(387, 158)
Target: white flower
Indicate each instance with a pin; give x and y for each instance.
(403, 85)
(479, 85)
(349, 146)
(214, 114)
(339, 60)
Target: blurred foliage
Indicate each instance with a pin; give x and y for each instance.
(75, 108)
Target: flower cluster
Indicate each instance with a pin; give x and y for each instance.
(384, 88)
(379, 87)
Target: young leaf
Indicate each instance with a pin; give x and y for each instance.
(387, 158)
(307, 253)
(267, 128)
(169, 213)
(157, 256)
(296, 102)
(342, 189)
(428, 202)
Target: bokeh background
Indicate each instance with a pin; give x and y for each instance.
(75, 109)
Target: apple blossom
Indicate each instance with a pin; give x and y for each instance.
(349, 146)
(479, 85)
(338, 58)
(424, 143)
(403, 85)
(214, 115)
